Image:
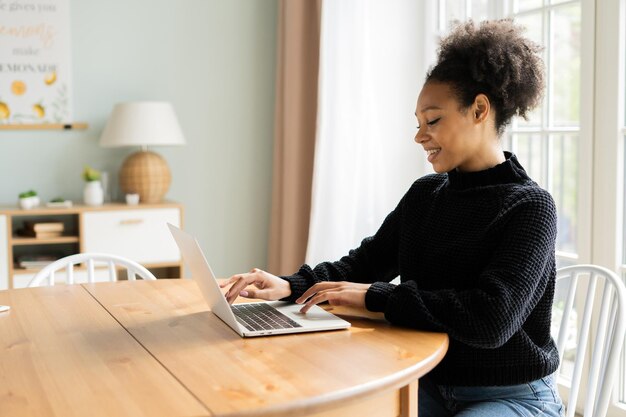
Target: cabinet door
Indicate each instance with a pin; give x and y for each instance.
(4, 253)
(141, 235)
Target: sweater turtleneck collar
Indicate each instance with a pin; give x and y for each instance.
(509, 171)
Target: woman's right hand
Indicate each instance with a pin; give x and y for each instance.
(268, 286)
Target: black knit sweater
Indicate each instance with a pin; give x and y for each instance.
(475, 255)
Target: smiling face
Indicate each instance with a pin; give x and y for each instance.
(453, 137)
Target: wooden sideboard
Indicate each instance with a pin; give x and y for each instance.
(137, 232)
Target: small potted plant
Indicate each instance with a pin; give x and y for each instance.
(28, 199)
(93, 195)
(59, 202)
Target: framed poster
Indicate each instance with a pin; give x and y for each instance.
(35, 62)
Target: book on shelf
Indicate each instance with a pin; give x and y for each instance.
(41, 226)
(39, 235)
(35, 261)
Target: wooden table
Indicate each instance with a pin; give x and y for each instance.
(153, 348)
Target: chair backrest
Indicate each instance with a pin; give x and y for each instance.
(610, 326)
(113, 262)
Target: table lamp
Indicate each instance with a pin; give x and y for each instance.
(143, 123)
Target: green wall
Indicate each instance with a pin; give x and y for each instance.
(215, 61)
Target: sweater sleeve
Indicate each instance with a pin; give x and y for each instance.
(376, 259)
(506, 291)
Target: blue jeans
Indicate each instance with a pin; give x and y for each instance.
(536, 398)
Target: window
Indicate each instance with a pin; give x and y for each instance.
(622, 99)
(574, 145)
(548, 143)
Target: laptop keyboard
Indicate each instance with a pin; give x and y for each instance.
(262, 316)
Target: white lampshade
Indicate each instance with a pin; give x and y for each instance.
(142, 123)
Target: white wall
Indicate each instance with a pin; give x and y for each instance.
(215, 61)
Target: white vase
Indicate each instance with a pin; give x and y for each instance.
(93, 195)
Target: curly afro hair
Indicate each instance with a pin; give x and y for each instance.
(494, 59)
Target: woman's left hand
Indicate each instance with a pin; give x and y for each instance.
(336, 293)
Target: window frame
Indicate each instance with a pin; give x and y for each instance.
(608, 152)
(602, 137)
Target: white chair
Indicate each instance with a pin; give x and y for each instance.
(610, 327)
(132, 268)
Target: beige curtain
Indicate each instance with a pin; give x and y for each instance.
(294, 132)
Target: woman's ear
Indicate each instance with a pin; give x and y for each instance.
(481, 108)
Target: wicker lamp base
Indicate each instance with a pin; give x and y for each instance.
(145, 173)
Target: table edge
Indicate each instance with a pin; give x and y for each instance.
(327, 401)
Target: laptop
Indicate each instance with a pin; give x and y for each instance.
(250, 319)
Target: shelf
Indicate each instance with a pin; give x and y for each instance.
(103, 228)
(99, 266)
(46, 126)
(18, 270)
(77, 268)
(18, 240)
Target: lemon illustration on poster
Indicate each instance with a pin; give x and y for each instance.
(35, 62)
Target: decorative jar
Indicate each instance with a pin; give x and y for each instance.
(93, 195)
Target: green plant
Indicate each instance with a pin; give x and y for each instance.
(57, 200)
(29, 193)
(90, 174)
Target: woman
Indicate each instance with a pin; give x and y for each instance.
(473, 244)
